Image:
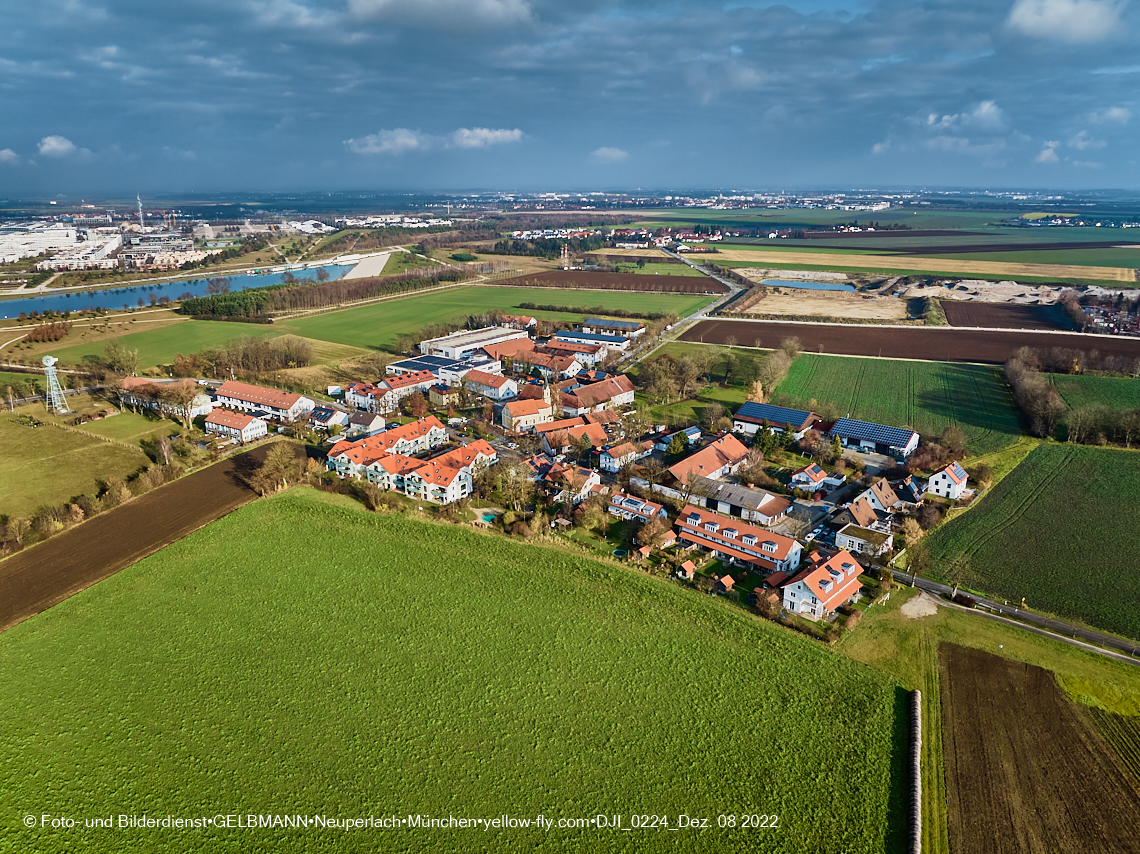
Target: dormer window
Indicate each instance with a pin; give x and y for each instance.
(769, 546)
(825, 585)
(748, 539)
(711, 526)
(729, 533)
(694, 519)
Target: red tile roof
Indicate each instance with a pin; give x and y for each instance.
(840, 574)
(508, 349)
(257, 395)
(404, 380)
(813, 472)
(484, 378)
(726, 450)
(229, 418)
(779, 545)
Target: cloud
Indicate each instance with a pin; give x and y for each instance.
(1066, 20)
(1111, 115)
(482, 137)
(610, 155)
(59, 146)
(395, 141)
(986, 117)
(1048, 154)
(881, 147)
(7, 155)
(444, 14)
(1083, 141)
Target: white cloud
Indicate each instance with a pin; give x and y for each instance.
(881, 147)
(1083, 142)
(1066, 20)
(482, 137)
(7, 155)
(395, 141)
(987, 117)
(1048, 154)
(610, 155)
(58, 146)
(445, 14)
(1111, 115)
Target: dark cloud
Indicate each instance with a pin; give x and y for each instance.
(280, 94)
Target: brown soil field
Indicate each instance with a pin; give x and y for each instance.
(999, 316)
(822, 304)
(1001, 269)
(903, 232)
(936, 343)
(1026, 770)
(45, 574)
(655, 254)
(618, 282)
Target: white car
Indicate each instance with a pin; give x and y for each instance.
(513, 445)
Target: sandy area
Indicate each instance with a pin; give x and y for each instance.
(983, 291)
(826, 304)
(369, 267)
(922, 605)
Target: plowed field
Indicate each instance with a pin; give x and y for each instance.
(618, 282)
(1026, 771)
(1000, 316)
(939, 344)
(44, 575)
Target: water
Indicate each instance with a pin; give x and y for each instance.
(115, 298)
(810, 286)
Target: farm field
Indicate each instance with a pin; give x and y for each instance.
(1000, 316)
(160, 346)
(1066, 510)
(673, 282)
(1079, 390)
(468, 676)
(376, 326)
(797, 303)
(1026, 771)
(944, 344)
(1123, 733)
(925, 396)
(1101, 256)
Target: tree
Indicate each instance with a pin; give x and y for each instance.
(653, 532)
(278, 470)
(798, 522)
(417, 406)
(711, 417)
(730, 364)
(122, 360)
(912, 532)
(918, 560)
(582, 446)
(514, 483)
(954, 440)
(677, 446)
(791, 347)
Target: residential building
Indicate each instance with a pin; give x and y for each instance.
(363, 424)
(875, 438)
(571, 483)
(715, 460)
(161, 397)
(282, 405)
(690, 436)
(948, 483)
(464, 344)
(610, 342)
(632, 508)
(442, 395)
(734, 541)
(909, 490)
(864, 540)
(587, 354)
(881, 496)
(809, 477)
(505, 351)
(687, 571)
(325, 417)
(235, 425)
(619, 328)
(752, 417)
(385, 396)
(823, 586)
(449, 477)
(860, 512)
(612, 459)
(493, 386)
(552, 368)
(350, 459)
(518, 321)
(521, 416)
(743, 502)
(579, 398)
(558, 437)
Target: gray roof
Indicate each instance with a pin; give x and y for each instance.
(589, 336)
(733, 493)
(776, 415)
(877, 433)
(613, 324)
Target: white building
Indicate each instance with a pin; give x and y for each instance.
(824, 586)
(464, 344)
(235, 425)
(283, 405)
(949, 483)
(494, 386)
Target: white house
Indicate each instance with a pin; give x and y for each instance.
(881, 496)
(630, 507)
(351, 459)
(325, 417)
(235, 425)
(866, 541)
(283, 405)
(809, 477)
(494, 386)
(612, 459)
(386, 395)
(949, 483)
(824, 586)
(612, 392)
(734, 541)
(521, 416)
(620, 328)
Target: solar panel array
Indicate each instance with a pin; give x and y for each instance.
(877, 433)
(958, 471)
(777, 415)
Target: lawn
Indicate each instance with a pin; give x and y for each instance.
(652, 269)
(730, 396)
(160, 346)
(302, 656)
(1059, 531)
(376, 326)
(1116, 392)
(924, 396)
(46, 465)
(130, 426)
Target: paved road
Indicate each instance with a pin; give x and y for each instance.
(1117, 648)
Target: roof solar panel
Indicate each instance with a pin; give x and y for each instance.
(878, 433)
(777, 415)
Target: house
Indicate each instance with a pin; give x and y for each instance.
(715, 460)
(690, 436)
(860, 512)
(587, 354)
(464, 344)
(612, 459)
(823, 586)
(909, 490)
(610, 342)
(724, 583)
(441, 395)
(493, 386)
(282, 405)
(448, 371)
(558, 437)
(579, 398)
(734, 541)
(539, 464)
(166, 398)
(325, 417)
(552, 368)
(632, 508)
(450, 476)
(235, 425)
(518, 321)
(687, 571)
(743, 502)
(362, 424)
(948, 483)
(809, 477)
(505, 351)
(570, 483)
(352, 458)
(881, 496)
(620, 328)
(752, 417)
(386, 395)
(864, 540)
(875, 438)
(521, 416)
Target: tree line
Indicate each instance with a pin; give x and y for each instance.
(599, 311)
(48, 332)
(246, 356)
(547, 247)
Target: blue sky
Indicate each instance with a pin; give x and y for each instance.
(209, 95)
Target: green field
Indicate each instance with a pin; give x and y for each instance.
(660, 269)
(1116, 392)
(376, 326)
(130, 426)
(47, 465)
(1060, 531)
(924, 396)
(303, 656)
(160, 346)
(1110, 257)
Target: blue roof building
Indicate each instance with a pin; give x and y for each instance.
(752, 416)
(876, 438)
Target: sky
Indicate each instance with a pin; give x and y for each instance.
(126, 96)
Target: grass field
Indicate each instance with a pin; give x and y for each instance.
(466, 676)
(1116, 392)
(376, 326)
(1059, 531)
(925, 396)
(1106, 257)
(130, 426)
(160, 346)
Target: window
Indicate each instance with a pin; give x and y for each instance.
(711, 526)
(769, 547)
(748, 539)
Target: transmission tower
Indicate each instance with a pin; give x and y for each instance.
(55, 401)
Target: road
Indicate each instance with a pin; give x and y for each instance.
(1093, 641)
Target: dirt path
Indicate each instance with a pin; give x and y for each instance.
(45, 574)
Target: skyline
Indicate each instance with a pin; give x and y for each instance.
(279, 96)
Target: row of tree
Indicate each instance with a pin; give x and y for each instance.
(246, 356)
(56, 331)
(599, 311)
